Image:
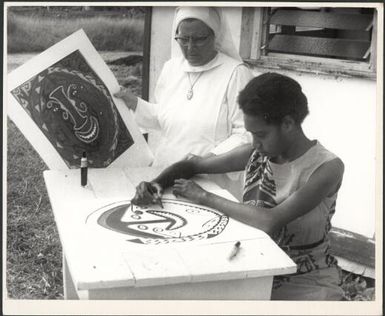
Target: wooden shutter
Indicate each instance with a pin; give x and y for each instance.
(332, 34)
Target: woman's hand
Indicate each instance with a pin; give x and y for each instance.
(128, 97)
(147, 193)
(190, 190)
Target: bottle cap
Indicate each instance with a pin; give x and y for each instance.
(83, 161)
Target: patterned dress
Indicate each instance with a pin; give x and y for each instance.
(305, 239)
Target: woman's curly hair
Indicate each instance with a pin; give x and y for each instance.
(273, 96)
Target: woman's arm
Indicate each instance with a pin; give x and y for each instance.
(235, 160)
(323, 182)
(238, 135)
(130, 99)
(146, 113)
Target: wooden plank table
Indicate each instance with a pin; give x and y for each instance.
(113, 251)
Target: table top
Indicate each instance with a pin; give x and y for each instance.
(109, 243)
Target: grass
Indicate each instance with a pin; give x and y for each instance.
(32, 34)
(357, 287)
(33, 245)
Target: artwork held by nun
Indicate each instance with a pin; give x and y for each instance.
(75, 111)
(177, 222)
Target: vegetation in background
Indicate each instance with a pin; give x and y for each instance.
(34, 30)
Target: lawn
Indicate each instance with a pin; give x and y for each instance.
(33, 245)
(36, 30)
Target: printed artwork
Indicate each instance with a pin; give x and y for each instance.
(176, 222)
(75, 111)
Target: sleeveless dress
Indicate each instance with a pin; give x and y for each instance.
(305, 239)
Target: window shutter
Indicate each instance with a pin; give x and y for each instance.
(332, 34)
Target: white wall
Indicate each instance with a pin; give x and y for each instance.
(342, 117)
(160, 42)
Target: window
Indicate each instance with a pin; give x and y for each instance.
(330, 40)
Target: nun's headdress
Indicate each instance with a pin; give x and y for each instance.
(213, 17)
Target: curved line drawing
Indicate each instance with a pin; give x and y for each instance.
(115, 217)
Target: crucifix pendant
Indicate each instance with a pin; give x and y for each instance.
(189, 94)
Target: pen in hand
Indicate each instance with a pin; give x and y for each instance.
(157, 196)
(159, 200)
(235, 250)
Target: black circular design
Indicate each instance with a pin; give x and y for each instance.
(78, 116)
(173, 223)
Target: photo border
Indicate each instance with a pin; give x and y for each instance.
(58, 307)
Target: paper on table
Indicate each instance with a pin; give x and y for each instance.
(106, 185)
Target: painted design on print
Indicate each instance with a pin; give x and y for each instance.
(177, 222)
(73, 108)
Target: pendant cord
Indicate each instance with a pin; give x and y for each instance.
(192, 84)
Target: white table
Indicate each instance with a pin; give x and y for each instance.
(99, 263)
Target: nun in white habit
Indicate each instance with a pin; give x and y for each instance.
(195, 106)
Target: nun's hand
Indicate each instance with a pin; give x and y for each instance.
(130, 99)
(190, 190)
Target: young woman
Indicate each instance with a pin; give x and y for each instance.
(290, 188)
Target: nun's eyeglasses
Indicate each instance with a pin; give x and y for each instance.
(197, 41)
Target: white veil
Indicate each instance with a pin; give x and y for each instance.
(214, 18)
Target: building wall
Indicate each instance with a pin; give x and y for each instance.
(342, 117)
(160, 43)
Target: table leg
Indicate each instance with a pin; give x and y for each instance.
(68, 284)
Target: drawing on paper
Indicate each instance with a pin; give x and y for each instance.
(73, 108)
(176, 222)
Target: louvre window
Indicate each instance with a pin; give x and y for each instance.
(327, 32)
(331, 39)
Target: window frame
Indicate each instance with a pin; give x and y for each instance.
(253, 36)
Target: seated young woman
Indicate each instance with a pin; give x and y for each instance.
(290, 189)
